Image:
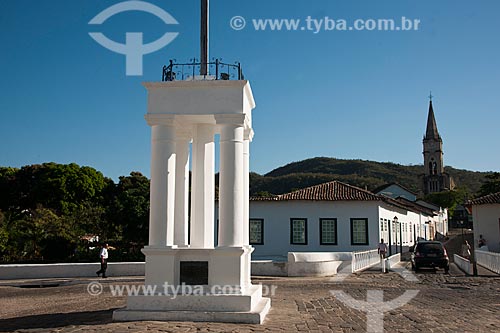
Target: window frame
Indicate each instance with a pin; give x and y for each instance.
(321, 242)
(261, 231)
(366, 232)
(291, 230)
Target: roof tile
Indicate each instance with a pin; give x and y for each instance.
(487, 199)
(331, 191)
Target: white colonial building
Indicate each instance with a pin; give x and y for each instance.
(336, 217)
(486, 217)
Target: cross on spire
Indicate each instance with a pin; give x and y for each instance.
(430, 96)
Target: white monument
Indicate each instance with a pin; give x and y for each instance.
(197, 281)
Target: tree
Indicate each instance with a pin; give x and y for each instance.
(62, 187)
(41, 234)
(4, 235)
(491, 185)
(130, 208)
(448, 199)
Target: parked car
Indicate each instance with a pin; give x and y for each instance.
(430, 254)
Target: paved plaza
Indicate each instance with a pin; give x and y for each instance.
(444, 303)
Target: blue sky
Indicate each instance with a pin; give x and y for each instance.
(343, 94)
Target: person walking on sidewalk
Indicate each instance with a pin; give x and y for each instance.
(382, 251)
(103, 255)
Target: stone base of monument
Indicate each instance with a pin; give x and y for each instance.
(197, 284)
(200, 305)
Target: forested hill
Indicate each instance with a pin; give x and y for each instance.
(360, 173)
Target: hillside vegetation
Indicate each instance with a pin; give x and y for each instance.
(51, 212)
(364, 174)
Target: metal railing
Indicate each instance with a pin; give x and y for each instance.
(489, 260)
(216, 70)
(364, 259)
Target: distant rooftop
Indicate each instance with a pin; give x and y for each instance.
(487, 199)
(331, 191)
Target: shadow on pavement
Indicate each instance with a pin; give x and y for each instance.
(54, 320)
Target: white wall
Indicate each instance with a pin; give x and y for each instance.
(39, 271)
(277, 214)
(406, 220)
(486, 219)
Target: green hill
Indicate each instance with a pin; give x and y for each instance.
(364, 174)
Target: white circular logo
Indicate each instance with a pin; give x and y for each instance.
(94, 288)
(237, 22)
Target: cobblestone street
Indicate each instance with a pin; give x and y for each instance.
(444, 303)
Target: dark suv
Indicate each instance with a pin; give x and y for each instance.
(430, 254)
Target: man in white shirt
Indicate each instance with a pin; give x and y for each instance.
(103, 255)
(382, 251)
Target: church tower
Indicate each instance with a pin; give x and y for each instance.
(435, 179)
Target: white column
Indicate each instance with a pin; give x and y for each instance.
(181, 191)
(231, 183)
(246, 190)
(162, 190)
(203, 187)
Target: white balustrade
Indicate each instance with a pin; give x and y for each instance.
(489, 260)
(364, 259)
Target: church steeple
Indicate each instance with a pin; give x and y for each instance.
(435, 178)
(432, 132)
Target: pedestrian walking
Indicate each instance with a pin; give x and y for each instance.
(481, 242)
(466, 248)
(103, 255)
(382, 251)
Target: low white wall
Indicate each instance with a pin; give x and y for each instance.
(315, 263)
(393, 260)
(269, 268)
(299, 264)
(318, 268)
(463, 263)
(40, 271)
(489, 260)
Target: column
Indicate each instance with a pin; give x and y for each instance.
(231, 182)
(162, 193)
(246, 187)
(181, 191)
(203, 187)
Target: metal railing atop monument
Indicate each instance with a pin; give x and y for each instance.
(216, 70)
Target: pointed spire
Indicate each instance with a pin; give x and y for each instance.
(432, 131)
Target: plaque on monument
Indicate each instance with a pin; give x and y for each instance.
(194, 272)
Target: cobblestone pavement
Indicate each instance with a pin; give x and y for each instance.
(445, 303)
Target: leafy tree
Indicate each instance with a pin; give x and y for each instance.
(448, 199)
(4, 235)
(130, 208)
(491, 185)
(62, 187)
(41, 233)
